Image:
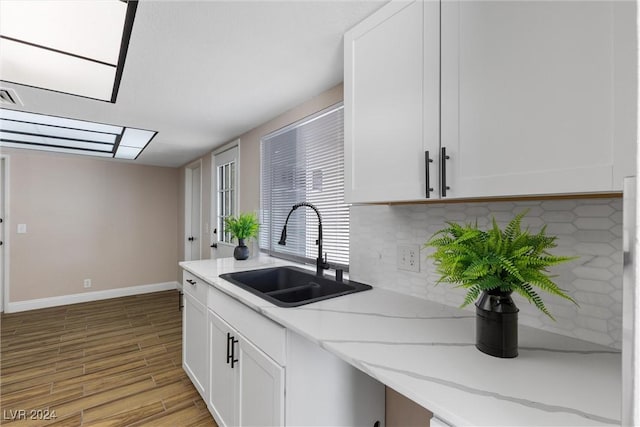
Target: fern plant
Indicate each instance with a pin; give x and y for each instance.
(243, 227)
(509, 260)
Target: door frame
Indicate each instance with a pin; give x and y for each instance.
(188, 178)
(4, 280)
(226, 249)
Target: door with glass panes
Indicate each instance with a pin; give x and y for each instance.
(224, 201)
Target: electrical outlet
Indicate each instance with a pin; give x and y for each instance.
(87, 283)
(409, 258)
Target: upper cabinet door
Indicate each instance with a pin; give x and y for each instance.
(392, 102)
(537, 97)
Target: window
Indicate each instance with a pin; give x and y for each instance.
(226, 183)
(305, 162)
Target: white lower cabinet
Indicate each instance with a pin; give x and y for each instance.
(223, 385)
(261, 383)
(262, 374)
(246, 386)
(194, 334)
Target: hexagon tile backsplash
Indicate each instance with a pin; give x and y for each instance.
(588, 228)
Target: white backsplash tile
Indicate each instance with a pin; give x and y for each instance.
(588, 228)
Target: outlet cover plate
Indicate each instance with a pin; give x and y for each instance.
(409, 257)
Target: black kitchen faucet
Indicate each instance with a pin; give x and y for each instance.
(321, 263)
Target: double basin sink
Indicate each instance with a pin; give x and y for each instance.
(291, 286)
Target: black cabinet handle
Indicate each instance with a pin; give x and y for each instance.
(193, 282)
(228, 353)
(233, 351)
(427, 160)
(191, 239)
(443, 172)
(214, 245)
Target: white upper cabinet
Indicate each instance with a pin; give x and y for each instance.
(532, 101)
(535, 98)
(391, 102)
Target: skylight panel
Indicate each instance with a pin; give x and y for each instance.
(136, 137)
(54, 142)
(69, 46)
(62, 73)
(55, 149)
(90, 29)
(20, 129)
(58, 121)
(54, 131)
(127, 153)
(132, 143)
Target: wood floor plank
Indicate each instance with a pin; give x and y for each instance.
(45, 401)
(9, 386)
(103, 363)
(74, 420)
(129, 417)
(93, 376)
(175, 417)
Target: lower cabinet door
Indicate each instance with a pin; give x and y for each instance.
(261, 382)
(195, 343)
(223, 383)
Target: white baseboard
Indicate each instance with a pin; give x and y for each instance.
(14, 307)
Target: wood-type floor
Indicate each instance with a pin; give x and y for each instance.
(114, 362)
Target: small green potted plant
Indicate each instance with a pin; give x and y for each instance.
(243, 227)
(491, 265)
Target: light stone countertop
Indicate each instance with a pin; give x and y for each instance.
(425, 350)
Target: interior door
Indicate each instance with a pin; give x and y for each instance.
(224, 201)
(193, 201)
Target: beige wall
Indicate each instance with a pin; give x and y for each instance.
(403, 412)
(250, 144)
(114, 223)
(249, 164)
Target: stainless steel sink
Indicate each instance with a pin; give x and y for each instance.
(291, 286)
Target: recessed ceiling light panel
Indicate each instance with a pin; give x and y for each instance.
(19, 129)
(69, 46)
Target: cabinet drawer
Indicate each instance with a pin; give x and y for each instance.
(268, 336)
(194, 286)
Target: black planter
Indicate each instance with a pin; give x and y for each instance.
(497, 324)
(241, 252)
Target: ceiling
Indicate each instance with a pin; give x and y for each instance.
(204, 72)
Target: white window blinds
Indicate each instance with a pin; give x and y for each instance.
(305, 162)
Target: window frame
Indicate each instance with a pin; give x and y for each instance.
(224, 157)
(339, 106)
